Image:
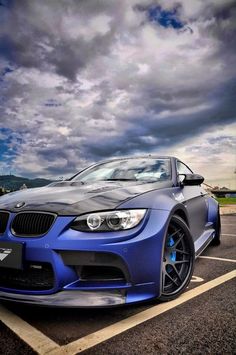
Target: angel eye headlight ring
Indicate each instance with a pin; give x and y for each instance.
(94, 221)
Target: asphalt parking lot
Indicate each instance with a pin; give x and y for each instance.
(201, 321)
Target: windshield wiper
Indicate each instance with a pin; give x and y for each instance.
(120, 179)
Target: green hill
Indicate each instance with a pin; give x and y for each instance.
(12, 182)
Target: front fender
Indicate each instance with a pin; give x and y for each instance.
(170, 199)
(213, 209)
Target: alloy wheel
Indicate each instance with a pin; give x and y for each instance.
(178, 258)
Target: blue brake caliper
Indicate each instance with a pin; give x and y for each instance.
(170, 243)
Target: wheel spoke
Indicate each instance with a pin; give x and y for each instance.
(171, 278)
(180, 237)
(177, 273)
(181, 251)
(172, 235)
(181, 262)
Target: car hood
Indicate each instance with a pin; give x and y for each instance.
(73, 198)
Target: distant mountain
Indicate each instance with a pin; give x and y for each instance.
(12, 182)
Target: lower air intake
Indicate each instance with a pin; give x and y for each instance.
(35, 277)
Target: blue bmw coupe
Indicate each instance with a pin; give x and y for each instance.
(118, 232)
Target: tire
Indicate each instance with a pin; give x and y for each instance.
(216, 240)
(178, 259)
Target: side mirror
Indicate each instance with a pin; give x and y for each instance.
(191, 179)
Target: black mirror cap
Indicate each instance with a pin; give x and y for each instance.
(193, 179)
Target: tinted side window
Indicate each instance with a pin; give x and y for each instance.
(182, 168)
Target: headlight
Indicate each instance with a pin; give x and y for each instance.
(108, 221)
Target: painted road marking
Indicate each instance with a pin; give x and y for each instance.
(196, 279)
(44, 345)
(229, 235)
(216, 258)
(104, 334)
(33, 337)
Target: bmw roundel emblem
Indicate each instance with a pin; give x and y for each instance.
(19, 204)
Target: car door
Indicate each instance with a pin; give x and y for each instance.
(195, 202)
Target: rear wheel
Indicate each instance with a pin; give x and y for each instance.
(178, 259)
(216, 240)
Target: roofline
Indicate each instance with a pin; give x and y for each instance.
(149, 156)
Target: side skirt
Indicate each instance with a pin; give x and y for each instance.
(203, 241)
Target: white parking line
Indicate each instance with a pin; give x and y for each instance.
(216, 258)
(33, 337)
(44, 345)
(104, 334)
(229, 235)
(196, 279)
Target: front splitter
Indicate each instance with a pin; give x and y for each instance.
(68, 298)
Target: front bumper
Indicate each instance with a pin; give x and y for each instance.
(139, 249)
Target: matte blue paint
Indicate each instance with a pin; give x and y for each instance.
(140, 248)
(144, 273)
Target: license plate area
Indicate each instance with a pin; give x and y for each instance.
(11, 255)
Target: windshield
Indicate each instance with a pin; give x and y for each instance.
(128, 170)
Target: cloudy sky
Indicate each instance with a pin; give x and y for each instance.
(85, 80)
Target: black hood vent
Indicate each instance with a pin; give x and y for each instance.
(32, 224)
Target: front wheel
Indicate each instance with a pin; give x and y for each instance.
(178, 259)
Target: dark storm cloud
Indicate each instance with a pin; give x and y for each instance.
(165, 131)
(41, 39)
